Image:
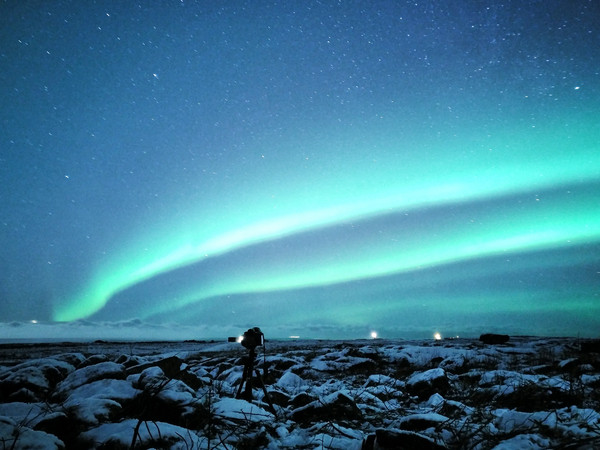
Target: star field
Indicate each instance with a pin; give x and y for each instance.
(321, 170)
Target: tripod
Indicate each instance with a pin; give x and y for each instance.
(249, 372)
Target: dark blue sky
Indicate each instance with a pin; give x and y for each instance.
(334, 166)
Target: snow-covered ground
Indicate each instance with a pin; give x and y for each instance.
(529, 393)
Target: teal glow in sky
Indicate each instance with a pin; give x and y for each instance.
(320, 170)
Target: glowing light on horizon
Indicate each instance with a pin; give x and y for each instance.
(437, 336)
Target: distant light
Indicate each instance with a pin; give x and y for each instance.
(240, 339)
(34, 321)
(294, 337)
(373, 334)
(437, 336)
(577, 88)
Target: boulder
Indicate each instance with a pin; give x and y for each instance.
(74, 359)
(278, 397)
(33, 379)
(17, 436)
(88, 374)
(424, 384)
(24, 413)
(93, 360)
(291, 383)
(23, 395)
(420, 422)
(170, 366)
(399, 440)
(130, 360)
(59, 425)
(155, 434)
(161, 398)
(241, 411)
(301, 399)
(334, 407)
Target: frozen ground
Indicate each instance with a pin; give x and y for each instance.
(530, 393)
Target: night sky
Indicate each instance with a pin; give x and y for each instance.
(320, 169)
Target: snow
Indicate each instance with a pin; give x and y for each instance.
(92, 410)
(524, 442)
(509, 420)
(96, 401)
(84, 398)
(426, 377)
(233, 408)
(91, 373)
(17, 436)
(591, 380)
(26, 413)
(36, 374)
(336, 437)
(107, 388)
(292, 383)
(122, 433)
(426, 417)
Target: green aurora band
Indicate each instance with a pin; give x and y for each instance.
(526, 162)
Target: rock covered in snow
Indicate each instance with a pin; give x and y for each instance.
(130, 432)
(14, 435)
(337, 406)
(99, 400)
(424, 384)
(535, 393)
(34, 379)
(238, 409)
(89, 374)
(420, 422)
(391, 439)
(292, 383)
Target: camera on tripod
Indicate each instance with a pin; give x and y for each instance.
(250, 339)
(253, 338)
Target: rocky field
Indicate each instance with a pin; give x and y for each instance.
(528, 393)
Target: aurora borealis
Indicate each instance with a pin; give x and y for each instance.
(321, 169)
